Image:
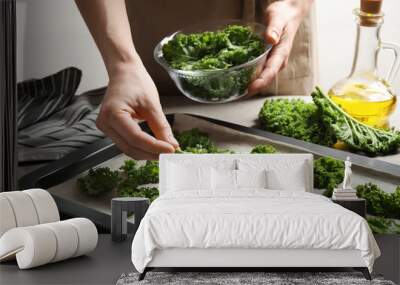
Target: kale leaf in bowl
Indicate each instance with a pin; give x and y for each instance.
(214, 65)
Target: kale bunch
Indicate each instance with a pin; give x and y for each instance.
(379, 202)
(219, 86)
(297, 119)
(264, 148)
(150, 193)
(128, 181)
(381, 225)
(328, 174)
(355, 134)
(133, 176)
(196, 141)
(98, 181)
(214, 51)
(221, 49)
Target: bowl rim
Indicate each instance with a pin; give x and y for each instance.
(159, 58)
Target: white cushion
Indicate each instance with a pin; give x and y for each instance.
(32, 246)
(87, 235)
(292, 181)
(67, 238)
(282, 174)
(45, 205)
(182, 178)
(251, 178)
(40, 244)
(224, 179)
(7, 218)
(23, 208)
(26, 208)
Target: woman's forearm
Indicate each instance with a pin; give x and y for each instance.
(109, 25)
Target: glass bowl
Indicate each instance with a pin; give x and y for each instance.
(215, 86)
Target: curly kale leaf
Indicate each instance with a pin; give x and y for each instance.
(264, 148)
(98, 181)
(216, 87)
(381, 225)
(328, 174)
(194, 138)
(355, 134)
(295, 118)
(196, 141)
(221, 49)
(379, 202)
(147, 192)
(134, 175)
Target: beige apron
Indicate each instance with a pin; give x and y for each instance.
(151, 20)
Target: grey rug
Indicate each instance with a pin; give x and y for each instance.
(244, 278)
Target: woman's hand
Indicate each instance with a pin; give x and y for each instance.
(132, 96)
(282, 19)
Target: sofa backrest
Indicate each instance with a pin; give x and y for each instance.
(282, 163)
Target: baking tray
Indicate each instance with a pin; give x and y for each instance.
(59, 177)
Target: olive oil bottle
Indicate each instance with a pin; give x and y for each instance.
(364, 94)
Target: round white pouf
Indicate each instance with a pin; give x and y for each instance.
(45, 205)
(7, 218)
(23, 208)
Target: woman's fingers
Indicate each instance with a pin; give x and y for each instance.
(126, 128)
(126, 148)
(125, 125)
(277, 59)
(159, 125)
(282, 20)
(275, 23)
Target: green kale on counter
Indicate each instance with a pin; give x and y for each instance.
(98, 181)
(150, 193)
(196, 141)
(355, 134)
(212, 51)
(295, 118)
(379, 202)
(264, 148)
(133, 175)
(328, 174)
(381, 225)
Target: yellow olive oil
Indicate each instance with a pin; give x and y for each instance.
(368, 102)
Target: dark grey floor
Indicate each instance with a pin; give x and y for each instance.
(110, 259)
(102, 266)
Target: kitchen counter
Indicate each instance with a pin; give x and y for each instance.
(243, 112)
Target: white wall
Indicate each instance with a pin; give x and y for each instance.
(51, 36)
(336, 38)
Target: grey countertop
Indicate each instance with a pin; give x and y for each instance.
(243, 112)
(102, 266)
